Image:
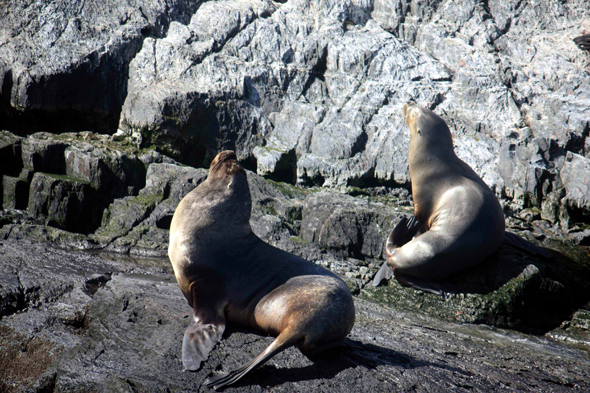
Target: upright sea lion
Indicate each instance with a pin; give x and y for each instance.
(458, 220)
(229, 274)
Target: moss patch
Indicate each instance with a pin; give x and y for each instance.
(23, 360)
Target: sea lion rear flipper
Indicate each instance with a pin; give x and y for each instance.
(384, 273)
(403, 232)
(199, 340)
(518, 242)
(283, 341)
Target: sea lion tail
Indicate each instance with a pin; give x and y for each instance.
(283, 341)
(199, 340)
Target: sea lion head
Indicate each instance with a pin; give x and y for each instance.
(225, 165)
(427, 130)
(226, 190)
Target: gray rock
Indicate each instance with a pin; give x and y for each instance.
(130, 223)
(352, 227)
(68, 68)
(43, 153)
(576, 181)
(64, 200)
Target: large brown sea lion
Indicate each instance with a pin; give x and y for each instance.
(458, 220)
(229, 274)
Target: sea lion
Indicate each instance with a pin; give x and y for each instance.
(228, 274)
(458, 220)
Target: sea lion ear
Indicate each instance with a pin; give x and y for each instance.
(199, 340)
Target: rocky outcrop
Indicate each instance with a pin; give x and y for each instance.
(68, 181)
(311, 93)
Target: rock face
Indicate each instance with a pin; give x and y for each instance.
(310, 92)
(67, 70)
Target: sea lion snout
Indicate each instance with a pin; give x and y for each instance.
(411, 111)
(406, 109)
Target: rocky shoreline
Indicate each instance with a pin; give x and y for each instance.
(60, 300)
(110, 112)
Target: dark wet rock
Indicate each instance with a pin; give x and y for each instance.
(42, 152)
(118, 325)
(15, 192)
(11, 161)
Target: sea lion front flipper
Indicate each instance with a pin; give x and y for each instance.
(403, 232)
(523, 244)
(283, 341)
(199, 340)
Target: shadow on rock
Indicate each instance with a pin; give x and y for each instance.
(328, 364)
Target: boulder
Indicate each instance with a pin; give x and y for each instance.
(64, 65)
